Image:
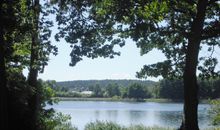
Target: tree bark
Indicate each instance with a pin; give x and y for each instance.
(33, 102)
(190, 119)
(191, 87)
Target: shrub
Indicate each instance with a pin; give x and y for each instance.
(214, 112)
(102, 126)
(98, 125)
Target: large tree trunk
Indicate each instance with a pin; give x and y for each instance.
(3, 84)
(191, 87)
(33, 102)
(190, 121)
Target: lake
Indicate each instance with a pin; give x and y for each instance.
(128, 113)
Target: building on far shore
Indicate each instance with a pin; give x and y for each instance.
(87, 92)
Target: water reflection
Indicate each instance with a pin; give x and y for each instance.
(114, 115)
(125, 113)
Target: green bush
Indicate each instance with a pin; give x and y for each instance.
(102, 126)
(141, 127)
(98, 125)
(49, 119)
(215, 112)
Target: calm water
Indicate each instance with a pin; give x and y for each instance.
(128, 113)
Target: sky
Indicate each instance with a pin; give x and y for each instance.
(124, 66)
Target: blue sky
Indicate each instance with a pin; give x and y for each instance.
(121, 67)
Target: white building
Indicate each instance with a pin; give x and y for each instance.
(87, 92)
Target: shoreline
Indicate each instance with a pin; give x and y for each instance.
(157, 100)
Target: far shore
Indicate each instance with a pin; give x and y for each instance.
(158, 100)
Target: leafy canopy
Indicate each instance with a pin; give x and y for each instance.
(166, 26)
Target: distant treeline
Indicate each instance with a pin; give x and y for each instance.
(173, 89)
(83, 85)
(134, 91)
(168, 89)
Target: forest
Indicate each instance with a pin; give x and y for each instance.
(164, 89)
(93, 28)
(83, 85)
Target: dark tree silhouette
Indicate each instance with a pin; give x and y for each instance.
(8, 24)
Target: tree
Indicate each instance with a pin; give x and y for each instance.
(24, 34)
(40, 50)
(11, 15)
(97, 91)
(137, 91)
(171, 89)
(33, 71)
(216, 87)
(156, 91)
(3, 80)
(112, 90)
(178, 29)
(86, 36)
(207, 89)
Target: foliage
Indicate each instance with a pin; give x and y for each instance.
(167, 88)
(19, 92)
(97, 91)
(155, 91)
(58, 121)
(112, 90)
(137, 91)
(215, 111)
(171, 89)
(179, 29)
(98, 125)
(87, 37)
(102, 126)
(85, 85)
(48, 118)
